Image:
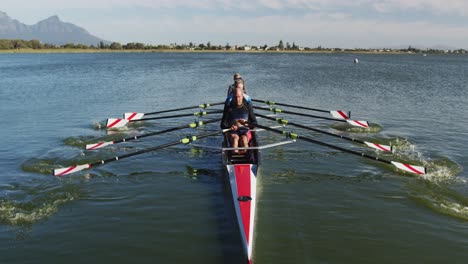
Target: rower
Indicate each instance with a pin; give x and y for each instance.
(239, 83)
(238, 115)
(237, 78)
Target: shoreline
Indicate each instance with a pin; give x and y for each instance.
(46, 51)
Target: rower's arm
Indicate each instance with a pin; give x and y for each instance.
(252, 117)
(225, 119)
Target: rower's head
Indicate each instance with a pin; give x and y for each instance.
(239, 84)
(238, 95)
(237, 76)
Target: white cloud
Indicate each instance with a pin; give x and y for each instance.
(334, 30)
(439, 7)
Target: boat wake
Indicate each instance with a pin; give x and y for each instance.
(443, 170)
(28, 205)
(373, 128)
(441, 198)
(54, 160)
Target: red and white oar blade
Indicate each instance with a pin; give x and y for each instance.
(98, 145)
(72, 169)
(381, 147)
(410, 168)
(116, 122)
(340, 114)
(358, 123)
(133, 116)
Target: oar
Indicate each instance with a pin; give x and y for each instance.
(358, 123)
(119, 122)
(187, 140)
(340, 114)
(403, 166)
(191, 125)
(136, 115)
(370, 144)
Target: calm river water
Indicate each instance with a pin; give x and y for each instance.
(316, 205)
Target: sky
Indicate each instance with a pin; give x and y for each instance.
(307, 23)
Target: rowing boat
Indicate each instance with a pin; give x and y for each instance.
(243, 168)
(243, 172)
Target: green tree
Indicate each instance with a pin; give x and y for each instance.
(115, 46)
(68, 46)
(19, 44)
(281, 45)
(139, 45)
(5, 44)
(35, 44)
(129, 45)
(294, 47)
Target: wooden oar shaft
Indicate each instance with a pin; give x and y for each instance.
(328, 145)
(299, 114)
(183, 108)
(294, 106)
(311, 129)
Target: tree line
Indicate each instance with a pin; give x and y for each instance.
(14, 44)
(9, 44)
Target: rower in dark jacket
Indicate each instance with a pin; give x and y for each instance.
(238, 115)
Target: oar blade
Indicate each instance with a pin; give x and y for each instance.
(381, 147)
(116, 122)
(72, 169)
(340, 114)
(410, 168)
(98, 145)
(358, 123)
(133, 116)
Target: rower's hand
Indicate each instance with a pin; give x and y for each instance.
(234, 128)
(243, 122)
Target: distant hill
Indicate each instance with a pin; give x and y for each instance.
(51, 30)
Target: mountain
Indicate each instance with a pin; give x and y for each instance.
(51, 30)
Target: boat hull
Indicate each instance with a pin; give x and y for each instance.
(243, 172)
(243, 182)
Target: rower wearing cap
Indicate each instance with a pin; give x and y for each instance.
(238, 115)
